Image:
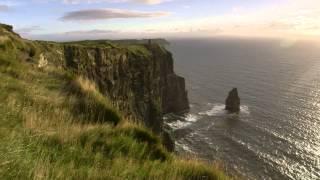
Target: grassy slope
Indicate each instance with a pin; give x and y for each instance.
(54, 125)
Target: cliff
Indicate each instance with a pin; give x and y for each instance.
(67, 111)
(138, 77)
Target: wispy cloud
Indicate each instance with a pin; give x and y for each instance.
(151, 2)
(295, 18)
(30, 29)
(103, 14)
(4, 8)
(95, 32)
(79, 35)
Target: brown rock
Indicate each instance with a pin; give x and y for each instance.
(145, 83)
(233, 101)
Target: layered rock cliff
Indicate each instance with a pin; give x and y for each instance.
(56, 110)
(141, 80)
(138, 77)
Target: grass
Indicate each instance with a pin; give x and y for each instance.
(136, 47)
(139, 50)
(56, 125)
(90, 103)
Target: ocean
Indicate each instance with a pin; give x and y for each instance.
(276, 135)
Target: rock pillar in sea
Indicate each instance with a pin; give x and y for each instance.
(233, 101)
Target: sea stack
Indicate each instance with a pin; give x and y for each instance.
(233, 101)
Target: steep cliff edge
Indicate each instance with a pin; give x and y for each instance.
(59, 115)
(139, 78)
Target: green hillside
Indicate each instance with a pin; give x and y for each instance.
(56, 124)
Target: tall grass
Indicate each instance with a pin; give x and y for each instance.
(90, 103)
(57, 126)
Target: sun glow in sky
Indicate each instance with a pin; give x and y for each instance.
(109, 19)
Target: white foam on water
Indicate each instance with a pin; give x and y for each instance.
(192, 117)
(184, 147)
(179, 124)
(185, 120)
(244, 109)
(219, 109)
(216, 110)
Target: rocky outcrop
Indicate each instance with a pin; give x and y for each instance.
(175, 96)
(137, 77)
(8, 28)
(233, 101)
(143, 84)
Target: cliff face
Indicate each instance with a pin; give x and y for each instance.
(142, 82)
(137, 76)
(48, 106)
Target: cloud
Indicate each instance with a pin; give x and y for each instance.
(102, 14)
(95, 32)
(28, 30)
(287, 19)
(150, 2)
(107, 34)
(4, 8)
(293, 19)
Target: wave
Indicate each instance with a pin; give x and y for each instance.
(183, 121)
(189, 118)
(192, 118)
(216, 110)
(184, 147)
(219, 110)
(178, 124)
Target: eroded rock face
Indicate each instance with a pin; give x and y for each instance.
(233, 101)
(143, 85)
(137, 77)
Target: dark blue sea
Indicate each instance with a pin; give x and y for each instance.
(276, 135)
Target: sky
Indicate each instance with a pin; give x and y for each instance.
(120, 19)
